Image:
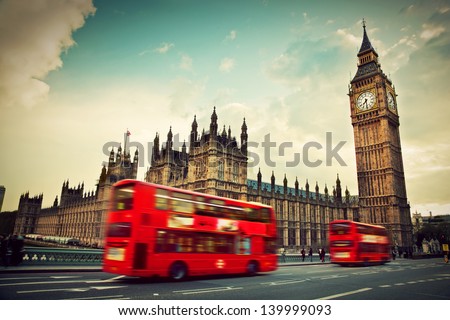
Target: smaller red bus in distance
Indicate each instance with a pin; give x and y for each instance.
(155, 230)
(355, 243)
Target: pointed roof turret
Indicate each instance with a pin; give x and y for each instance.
(367, 59)
(366, 45)
(213, 125)
(170, 134)
(194, 124)
(224, 132)
(214, 115)
(244, 126)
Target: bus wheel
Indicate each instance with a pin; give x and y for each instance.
(178, 271)
(252, 268)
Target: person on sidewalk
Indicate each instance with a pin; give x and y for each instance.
(322, 252)
(310, 254)
(303, 254)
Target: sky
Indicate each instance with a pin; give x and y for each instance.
(77, 74)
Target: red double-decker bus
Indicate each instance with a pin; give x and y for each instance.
(358, 243)
(154, 230)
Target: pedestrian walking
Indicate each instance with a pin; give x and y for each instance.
(303, 254)
(310, 254)
(323, 255)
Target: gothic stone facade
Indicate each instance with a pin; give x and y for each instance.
(379, 163)
(78, 214)
(216, 164)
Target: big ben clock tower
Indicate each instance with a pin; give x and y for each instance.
(379, 163)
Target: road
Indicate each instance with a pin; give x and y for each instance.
(398, 280)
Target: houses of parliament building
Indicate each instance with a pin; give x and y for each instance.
(215, 162)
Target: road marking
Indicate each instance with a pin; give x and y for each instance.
(207, 290)
(117, 297)
(69, 289)
(385, 286)
(343, 294)
(106, 280)
(363, 273)
(283, 282)
(333, 277)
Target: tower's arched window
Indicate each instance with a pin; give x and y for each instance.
(221, 170)
(235, 172)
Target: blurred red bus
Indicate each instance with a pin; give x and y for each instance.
(358, 243)
(154, 230)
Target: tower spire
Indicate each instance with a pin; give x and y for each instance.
(365, 45)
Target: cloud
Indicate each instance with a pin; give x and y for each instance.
(303, 60)
(431, 31)
(164, 47)
(186, 62)
(33, 34)
(226, 65)
(348, 38)
(231, 36)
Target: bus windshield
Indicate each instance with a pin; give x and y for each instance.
(123, 198)
(340, 228)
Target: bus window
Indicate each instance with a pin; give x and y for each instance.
(161, 201)
(182, 203)
(119, 229)
(217, 207)
(364, 229)
(251, 214)
(340, 228)
(200, 203)
(186, 243)
(265, 215)
(123, 198)
(233, 214)
(160, 241)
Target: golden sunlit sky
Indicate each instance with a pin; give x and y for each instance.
(77, 74)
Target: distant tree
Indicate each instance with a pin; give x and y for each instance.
(439, 231)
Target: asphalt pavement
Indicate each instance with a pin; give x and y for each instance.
(30, 268)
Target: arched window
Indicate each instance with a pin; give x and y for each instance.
(221, 170)
(235, 172)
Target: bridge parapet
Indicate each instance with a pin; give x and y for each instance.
(56, 256)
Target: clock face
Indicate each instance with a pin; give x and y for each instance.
(366, 101)
(391, 101)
